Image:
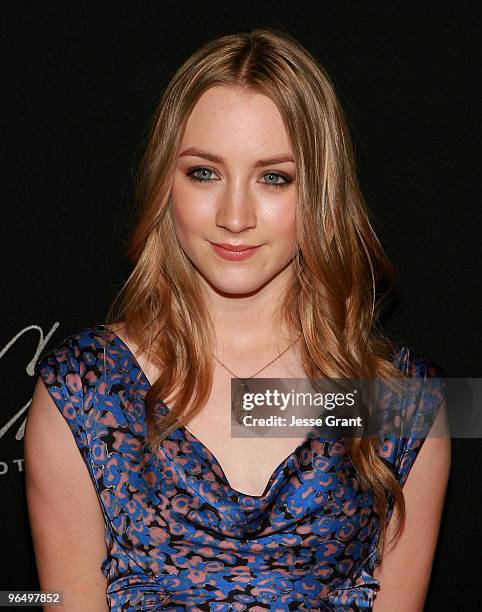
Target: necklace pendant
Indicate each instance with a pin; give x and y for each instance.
(237, 406)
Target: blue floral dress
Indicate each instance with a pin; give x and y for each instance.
(179, 537)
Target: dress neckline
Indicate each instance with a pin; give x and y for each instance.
(190, 437)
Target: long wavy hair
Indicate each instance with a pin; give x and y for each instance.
(341, 273)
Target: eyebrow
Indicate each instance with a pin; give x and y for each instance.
(278, 159)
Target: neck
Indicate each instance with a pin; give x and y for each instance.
(247, 323)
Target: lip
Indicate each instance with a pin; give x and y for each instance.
(235, 247)
(234, 252)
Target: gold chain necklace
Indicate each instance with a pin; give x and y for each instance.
(237, 406)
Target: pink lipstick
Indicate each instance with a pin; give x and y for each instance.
(234, 252)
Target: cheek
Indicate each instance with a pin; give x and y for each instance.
(190, 212)
(280, 216)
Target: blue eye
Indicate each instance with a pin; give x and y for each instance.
(286, 180)
(192, 174)
(206, 171)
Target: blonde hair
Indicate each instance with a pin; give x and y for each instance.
(342, 274)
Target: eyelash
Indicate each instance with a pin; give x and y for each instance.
(287, 179)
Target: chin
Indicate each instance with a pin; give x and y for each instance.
(229, 286)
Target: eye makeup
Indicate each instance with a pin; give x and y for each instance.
(287, 179)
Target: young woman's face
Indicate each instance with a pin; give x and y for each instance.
(235, 184)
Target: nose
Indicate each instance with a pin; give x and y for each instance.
(237, 209)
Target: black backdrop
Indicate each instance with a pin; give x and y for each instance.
(79, 87)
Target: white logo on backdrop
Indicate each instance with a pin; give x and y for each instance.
(13, 421)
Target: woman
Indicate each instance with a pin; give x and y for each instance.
(253, 255)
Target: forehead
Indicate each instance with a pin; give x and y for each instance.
(230, 118)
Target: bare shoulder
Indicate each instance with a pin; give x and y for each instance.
(65, 517)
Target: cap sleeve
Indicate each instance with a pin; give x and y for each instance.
(60, 370)
(419, 409)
